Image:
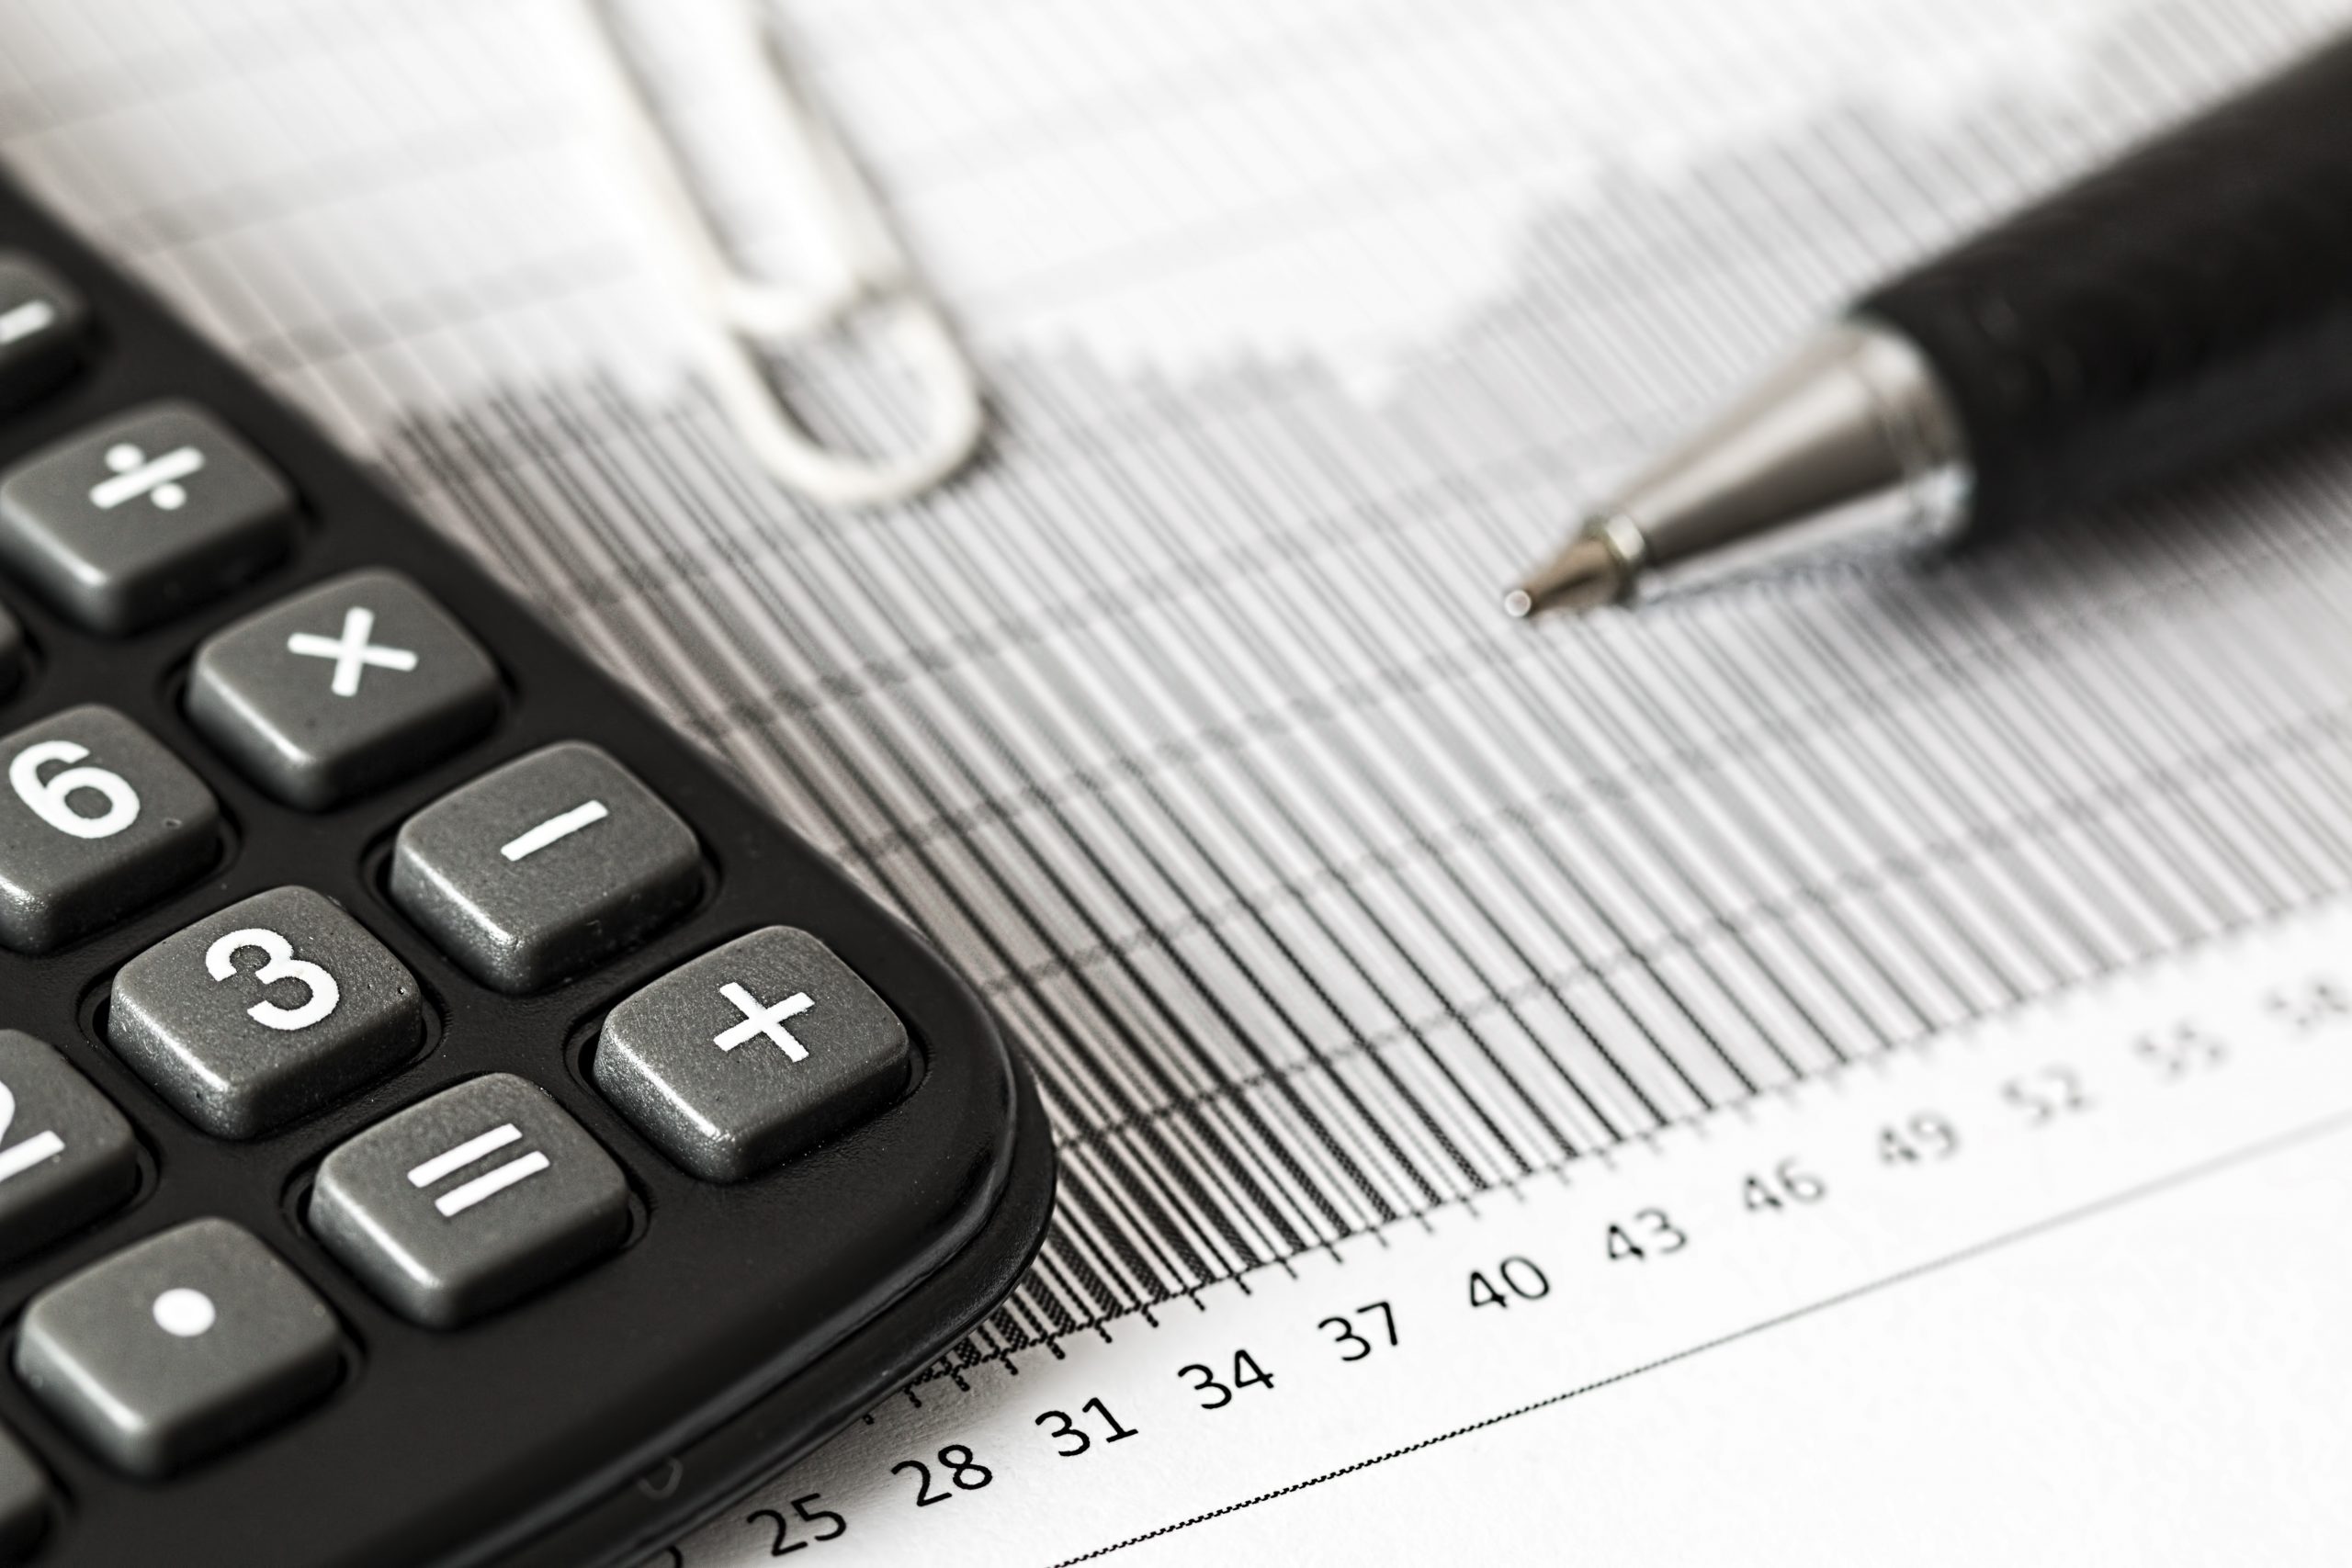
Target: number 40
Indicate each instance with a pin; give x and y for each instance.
(1522, 1279)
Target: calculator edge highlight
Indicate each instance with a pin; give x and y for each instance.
(678, 1342)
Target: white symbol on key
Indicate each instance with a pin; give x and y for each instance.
(43, 1144)
(135, 474)
(352, 652)
(562, 825)
(759, 1020)
(495, 1181)
(184, 1314)
(22, 320)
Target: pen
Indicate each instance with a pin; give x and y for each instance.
(2171, 309)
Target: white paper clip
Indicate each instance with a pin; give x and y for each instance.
(736, 315)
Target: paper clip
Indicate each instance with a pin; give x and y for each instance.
(736, 314)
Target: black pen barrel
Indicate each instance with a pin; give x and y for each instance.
(2190, 300)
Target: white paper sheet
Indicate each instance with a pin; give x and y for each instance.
(1362, 940)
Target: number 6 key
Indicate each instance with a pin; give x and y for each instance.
(97, 819)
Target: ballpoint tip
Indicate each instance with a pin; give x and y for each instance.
(1585, 575)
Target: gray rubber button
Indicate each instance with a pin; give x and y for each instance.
(469, 1201)
(750, 1054)
(178, 1346)
(24, 1500)
(270, 1008)
(42, 321)
(66, 1155)
(543, 866)
(96, 820)
(342, 689)
(135, 520)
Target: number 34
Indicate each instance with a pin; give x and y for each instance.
(321, 993)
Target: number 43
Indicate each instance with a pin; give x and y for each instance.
(1649, 1232)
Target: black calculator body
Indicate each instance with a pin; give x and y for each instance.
(474, 1133)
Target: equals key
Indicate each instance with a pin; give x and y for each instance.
(470, 1199)
(491, 1182)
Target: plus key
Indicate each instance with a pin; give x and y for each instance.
(728, 1114)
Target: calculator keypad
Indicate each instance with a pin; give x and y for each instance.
(43, 321)
(543, 868)
(342, 689)
(270, 1008)
(470, 1201)
(66, 1153)
(458, 1252)
(96, 820)
(146, 515)
(177, 1347)
(750, 1054)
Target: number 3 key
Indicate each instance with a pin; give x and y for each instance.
(269, 1009)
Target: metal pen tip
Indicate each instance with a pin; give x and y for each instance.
(1585, 575)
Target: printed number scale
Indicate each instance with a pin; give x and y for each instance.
(442, 1120)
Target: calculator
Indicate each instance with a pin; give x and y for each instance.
(443, 1119)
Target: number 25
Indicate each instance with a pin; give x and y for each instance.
(221, 962)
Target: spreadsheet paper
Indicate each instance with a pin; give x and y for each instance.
(1857, 1065)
